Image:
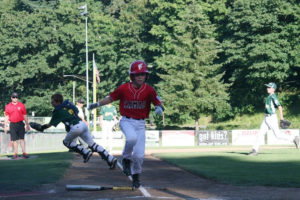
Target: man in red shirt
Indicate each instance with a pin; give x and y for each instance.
(135, 102)
(15, 112)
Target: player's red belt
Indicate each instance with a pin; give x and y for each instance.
(133, 118)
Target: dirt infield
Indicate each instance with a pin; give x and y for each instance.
(160, 180)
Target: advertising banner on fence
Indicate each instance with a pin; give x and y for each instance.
(118, 138)
(178, 138)
(115, 135)
(152, 138)
(285, 138)
(213, 138)
(246, 137)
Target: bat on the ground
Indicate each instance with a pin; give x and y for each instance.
(95, 188)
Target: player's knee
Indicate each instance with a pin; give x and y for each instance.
(67, 144)
(138, 157)
(131, 140)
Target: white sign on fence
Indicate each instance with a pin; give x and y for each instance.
(213, 137)
(246, 137)
(178, 138)
(286, 137)
(152, 138)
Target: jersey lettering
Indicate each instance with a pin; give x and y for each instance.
(134, 104)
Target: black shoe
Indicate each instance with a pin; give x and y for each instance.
(296, 141)
(87, 156)
(15, 157)
(135, 181)
(112, 164)
(25, 156)
(126, 166)
(253, 153)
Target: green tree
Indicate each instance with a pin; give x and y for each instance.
(37, 49)
(257, 48)
(117, 33)
(191, 83)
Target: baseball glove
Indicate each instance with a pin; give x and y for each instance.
(284, 124)
(36, 126)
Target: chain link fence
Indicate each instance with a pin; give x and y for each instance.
(50, 140)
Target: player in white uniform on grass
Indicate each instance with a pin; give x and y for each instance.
(270, 121)
(135, 102)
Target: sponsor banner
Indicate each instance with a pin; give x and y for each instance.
(118, 139)
(115, 142)
(152, 138)
(178, 138)
(246, 137)
(115, 134)
(286, 136)
(213, 138)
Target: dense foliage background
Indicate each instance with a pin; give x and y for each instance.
(207, 57)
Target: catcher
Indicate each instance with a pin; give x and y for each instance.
(271, 121)
(66, 112)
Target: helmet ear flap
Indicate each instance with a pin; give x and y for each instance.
(131, 77)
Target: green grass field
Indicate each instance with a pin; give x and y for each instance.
(276, 167)
(270, 168)
(27, 174)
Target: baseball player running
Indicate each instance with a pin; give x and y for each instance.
(135, 102)
(66, 112)
(270, 121)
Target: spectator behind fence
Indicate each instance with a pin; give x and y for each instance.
(79, 105)
(108, 118)
(15, 113)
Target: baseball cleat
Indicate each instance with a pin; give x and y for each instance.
(86, 157)
(135, 181)
(112, 164)
(25, 156)
(126, 166)
(296, 142)
(253, 153)
(15, 157)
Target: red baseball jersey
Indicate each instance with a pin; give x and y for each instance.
(135, 103)
(15, 112)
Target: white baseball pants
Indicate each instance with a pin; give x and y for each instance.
(270, 122)
(134, 150)
(107, 133)
(80, 130)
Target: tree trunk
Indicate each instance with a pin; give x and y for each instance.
(197, 124)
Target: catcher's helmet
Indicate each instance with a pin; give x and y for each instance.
(137, 67)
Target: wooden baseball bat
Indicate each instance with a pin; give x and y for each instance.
(95, 188)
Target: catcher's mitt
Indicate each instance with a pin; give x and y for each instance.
(36, 126)
(284, 124)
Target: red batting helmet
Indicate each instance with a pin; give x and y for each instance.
(137, 67)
